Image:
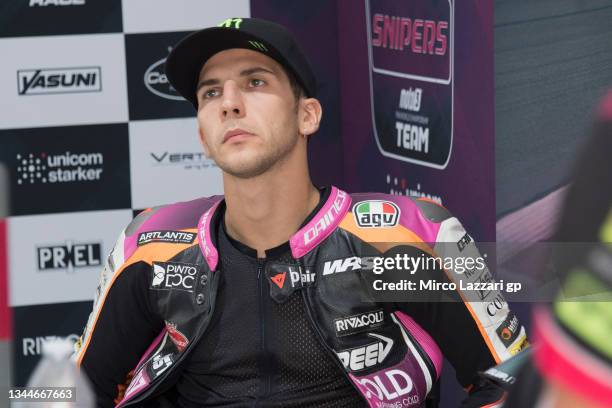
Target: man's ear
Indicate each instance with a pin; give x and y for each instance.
(203, 141)
(309, 116)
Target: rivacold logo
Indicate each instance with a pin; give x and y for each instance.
(59, 80)
(359, 323)
(59, 168)
(69, 256)
(156, 82)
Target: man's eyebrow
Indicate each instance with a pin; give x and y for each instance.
(246, 72)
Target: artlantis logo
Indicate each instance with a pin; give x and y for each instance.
(45, 81)
(157, 83)
(190, 160)
(69, 256)
(58, 168)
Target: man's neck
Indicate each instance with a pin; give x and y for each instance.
(265, 211)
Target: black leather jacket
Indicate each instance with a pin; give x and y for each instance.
(157, 294)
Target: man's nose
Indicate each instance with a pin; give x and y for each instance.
(232, 105)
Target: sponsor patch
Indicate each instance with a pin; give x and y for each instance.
(376, 213)
(171, 237)
(159, 364)
(509, 329)
(463, 242)
(388, 386)
(520, 345)
(174, 276)
(359, 323)
(178, 338)
(352, 263)
(286, 279)
(360, 358)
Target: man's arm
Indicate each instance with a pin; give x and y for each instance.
(469, 330)
(121, 326)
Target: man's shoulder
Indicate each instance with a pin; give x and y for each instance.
(179, 215)
(427, 208)
(394, 218)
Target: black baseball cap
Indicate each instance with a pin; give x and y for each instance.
(185, 61)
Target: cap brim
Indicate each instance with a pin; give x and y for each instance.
(186, 60)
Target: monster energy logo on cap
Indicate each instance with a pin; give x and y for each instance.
(376, 213)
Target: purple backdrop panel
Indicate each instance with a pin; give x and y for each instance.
(315, 26)
(417, 103)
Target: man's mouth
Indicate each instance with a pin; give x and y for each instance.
(236, 134)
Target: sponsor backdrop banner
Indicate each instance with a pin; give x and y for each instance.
(36, 324)
(92, 132)
(417, 103)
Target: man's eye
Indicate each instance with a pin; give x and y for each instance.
(257, 82)
(210, 93)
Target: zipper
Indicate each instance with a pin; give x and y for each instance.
(316, 329)
(264, 358)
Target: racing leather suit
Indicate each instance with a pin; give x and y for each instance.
(164, 268)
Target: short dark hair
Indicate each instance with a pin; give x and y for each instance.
(296, 87)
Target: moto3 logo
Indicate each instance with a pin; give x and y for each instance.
(59, 80)
(33, 346)
(156, 82)
(359, 323)
(360, 358)
(34, 3)
(69, 256)
(171, 275)
(388, 386)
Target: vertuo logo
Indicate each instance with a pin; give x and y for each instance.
(34, 3)
(59, 168)
(359, 358)
(59, 80)
(69, 256)
(190, 160)
(173, 275)
(157, 83)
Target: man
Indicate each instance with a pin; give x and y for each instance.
(258, 298)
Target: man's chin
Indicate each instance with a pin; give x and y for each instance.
(245, 170)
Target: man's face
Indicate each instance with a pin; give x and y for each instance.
(247, 113)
